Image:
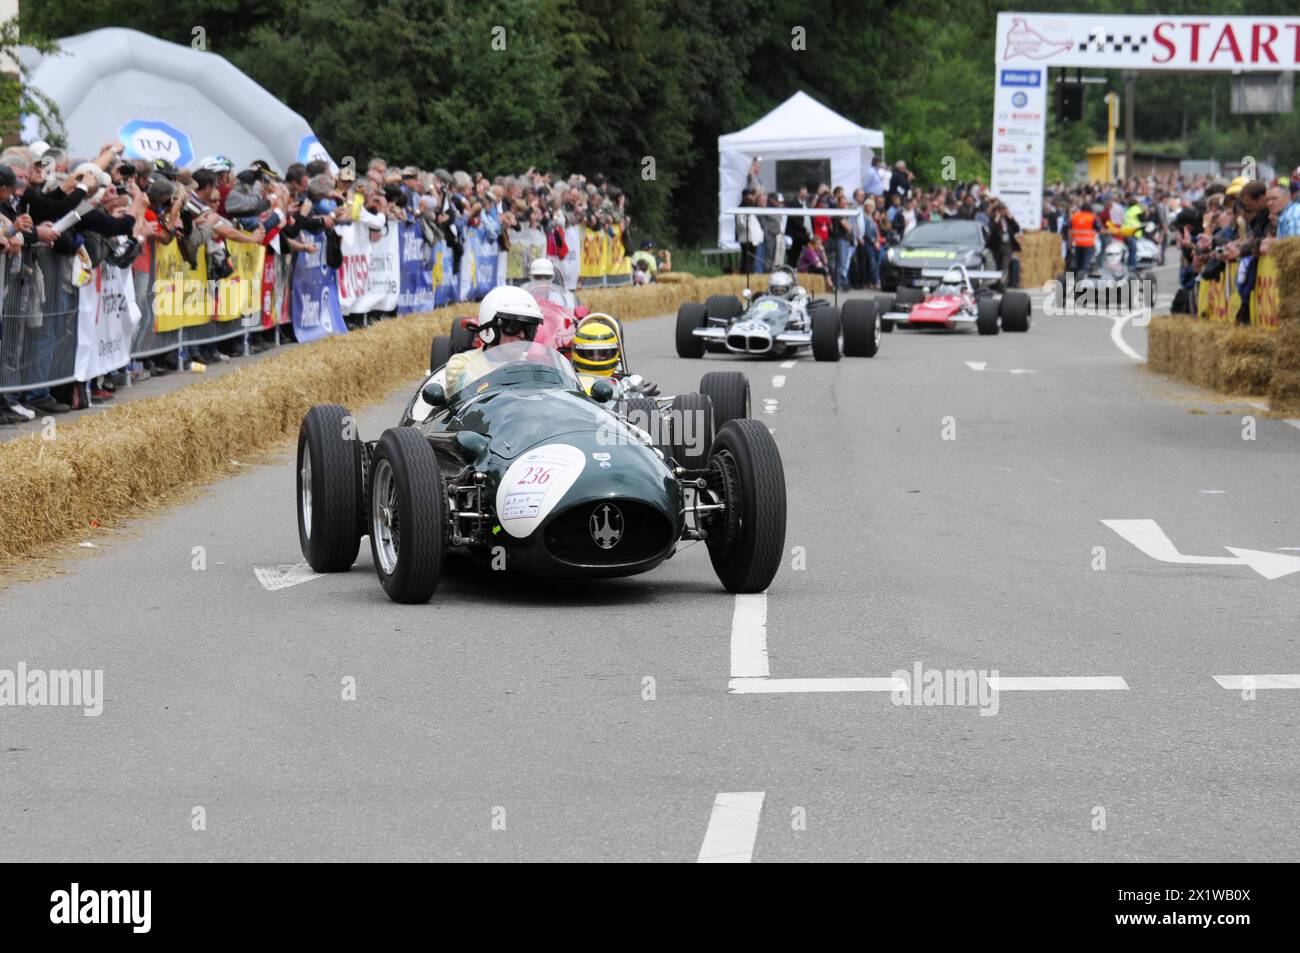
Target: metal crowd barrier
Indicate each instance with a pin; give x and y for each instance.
(38, 320)
(38, 324)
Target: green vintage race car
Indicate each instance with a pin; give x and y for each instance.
(565, 484)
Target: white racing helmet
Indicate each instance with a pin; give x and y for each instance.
(780, 283)
(542, 269)
(508, 309)
(1115, 253)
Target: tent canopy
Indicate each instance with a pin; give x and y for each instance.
(799, 129)
(164, 100)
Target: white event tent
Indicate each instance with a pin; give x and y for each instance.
(799, 129)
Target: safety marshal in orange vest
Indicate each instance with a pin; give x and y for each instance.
(1083, 237)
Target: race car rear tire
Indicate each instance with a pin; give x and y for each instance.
(862, 327)
(989, 317)
(440, 352)
(722, 306)
(689, 427)
(907, 295)
(729, 392)
(689, 317)
(407, 513)
(747, 541)
(1017, 311)
(329, 488)
(462, 338)
(827, 335)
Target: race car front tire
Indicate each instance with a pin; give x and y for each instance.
(689, 428)
(689, 317)
(722, 307)
(988, 319)
(440, 352)
(862, 327)
(729, 393)
(907, 295)
(1016, 311)
(329, 488)
(747, 541)
(643, 413)
(827, 330)
(407, 513)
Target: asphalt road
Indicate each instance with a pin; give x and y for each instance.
(515, 724)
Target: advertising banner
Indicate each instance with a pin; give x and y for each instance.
(416, 293)
(107, 315)
(240, 294)
(315, 297)
(1020, 141)
(181, 297)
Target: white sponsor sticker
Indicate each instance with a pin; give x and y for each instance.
(535, 483)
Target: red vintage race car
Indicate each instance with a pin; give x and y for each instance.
(950, 300)
(560, 316)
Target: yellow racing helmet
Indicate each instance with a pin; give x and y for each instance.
(596, 346)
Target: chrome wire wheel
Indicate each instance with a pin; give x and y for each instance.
(304, 491)
(385, 523)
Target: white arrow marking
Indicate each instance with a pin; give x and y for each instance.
(282, 577)
(1147, 536)
(778, 380)
(733, 828)
(1237, 683)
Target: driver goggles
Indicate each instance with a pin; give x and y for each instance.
(513, 327)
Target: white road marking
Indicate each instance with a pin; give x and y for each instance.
(750, 668)
(749, 636)
(984, 366)
(1294, 423)
(786, 365)
(778, 380)
(733, 828)
(1257, 404)
(781, 686)
(769, 405)
(1212, 492)
(1147, 536)
(1239, 682)
(1117, 334)
(282, 577)
(1057, 683)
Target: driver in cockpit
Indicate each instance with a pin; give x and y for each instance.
(780, 284)
(505, 314)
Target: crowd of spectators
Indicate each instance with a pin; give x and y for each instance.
(1213, 223)
(849, 250)
(116, 209)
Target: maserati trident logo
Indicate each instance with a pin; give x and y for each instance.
(606, 525)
